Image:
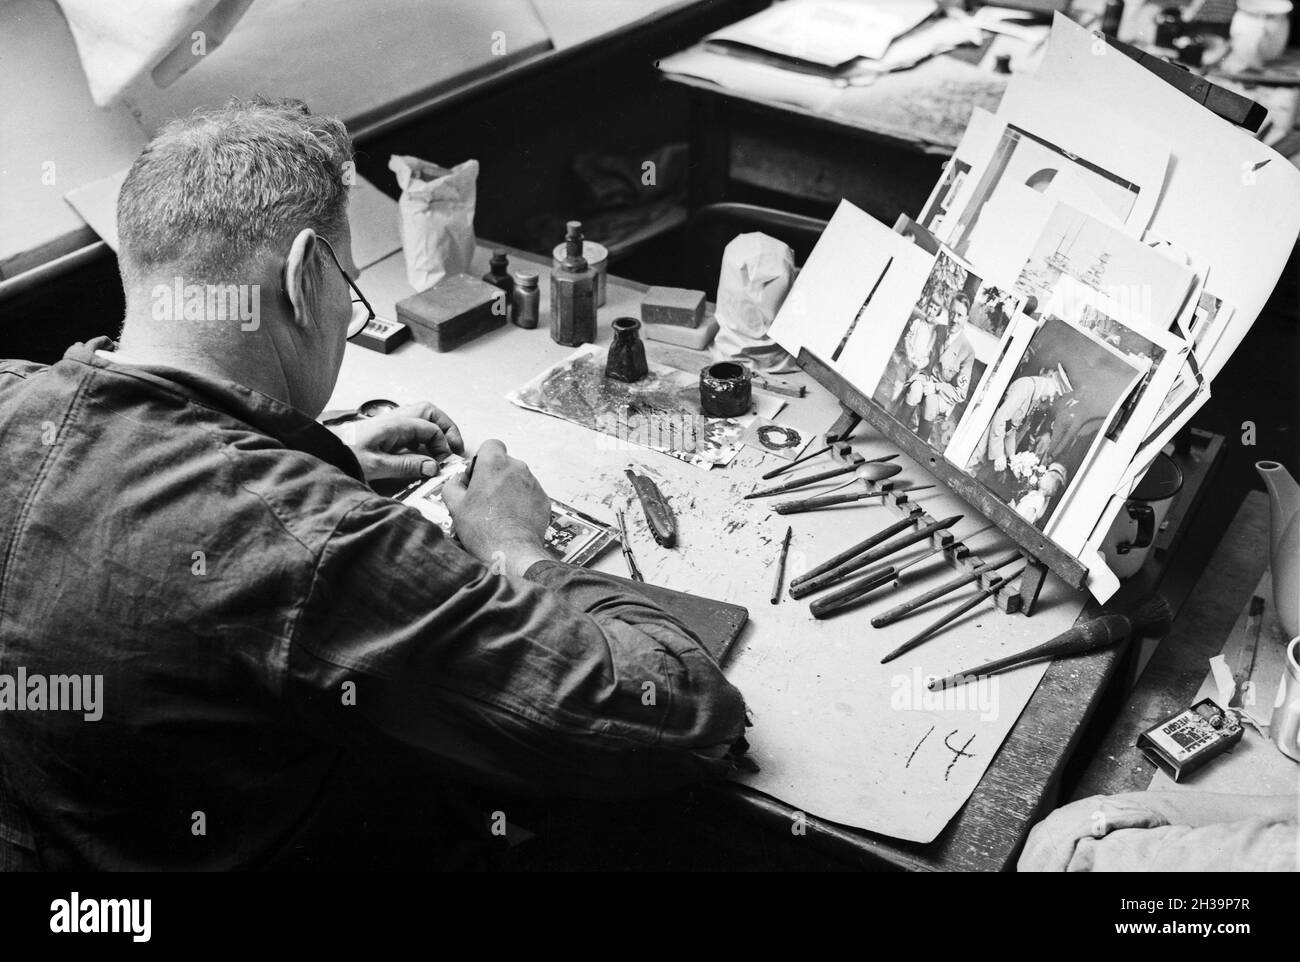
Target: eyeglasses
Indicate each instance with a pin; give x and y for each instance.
(362, 312)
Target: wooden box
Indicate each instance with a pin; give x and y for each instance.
(673, 305)
(452, 312)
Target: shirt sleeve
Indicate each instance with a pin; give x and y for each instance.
(1250, 845)
(561, 682)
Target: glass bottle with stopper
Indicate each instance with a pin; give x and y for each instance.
(573, 294)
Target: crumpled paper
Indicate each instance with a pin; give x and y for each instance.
(436, 217)
(757, 271)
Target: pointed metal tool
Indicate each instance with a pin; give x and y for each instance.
(869, 470)
(842, 571)
(974, 601)
(856, 590)
(841, 448)
(884, 534)
(830, 500)
(948, 587)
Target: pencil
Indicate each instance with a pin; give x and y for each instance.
(780, 566)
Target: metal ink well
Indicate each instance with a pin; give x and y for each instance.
(573, 294)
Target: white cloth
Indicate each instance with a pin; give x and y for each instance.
(1166, 832)
(122, 41)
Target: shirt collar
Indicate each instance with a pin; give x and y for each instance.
(262, 412)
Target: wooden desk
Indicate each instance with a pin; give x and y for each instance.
(1176, 672)
(585, 469)
(866, 149)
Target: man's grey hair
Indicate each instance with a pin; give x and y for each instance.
(215, 190)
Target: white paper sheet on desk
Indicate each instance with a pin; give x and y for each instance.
(839, 736)
(828, 33)
(1229, 201)
(764, 81)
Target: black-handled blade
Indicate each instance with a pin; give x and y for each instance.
(658, 515)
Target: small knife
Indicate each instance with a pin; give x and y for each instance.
(658, 515)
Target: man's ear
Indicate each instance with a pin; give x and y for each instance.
(302, 278)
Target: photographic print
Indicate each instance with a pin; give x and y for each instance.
(572, 536)
(933, 365)
(1141, 287)
(917, 234)
(1023, 159)
(993, 309)
(942, 201)
(1066, 387)
(575, 537)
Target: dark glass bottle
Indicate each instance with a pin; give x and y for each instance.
(626, 359)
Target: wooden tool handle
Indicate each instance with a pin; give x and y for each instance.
(972, 602)
(1100, 632)
(870, 556)
(883, 535)
(851, 593)
(907, 607)
(923, 599)
(825, 501)
(855, 462)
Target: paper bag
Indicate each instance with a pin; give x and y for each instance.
(436, 214)
(757, 272)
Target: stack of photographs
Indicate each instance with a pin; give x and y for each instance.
(1038, 324)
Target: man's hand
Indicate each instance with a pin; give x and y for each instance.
(502, 514)
(405, 443)
(1000, 465)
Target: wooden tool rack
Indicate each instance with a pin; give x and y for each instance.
(1041, 553)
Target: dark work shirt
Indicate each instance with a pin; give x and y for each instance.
(257, 612)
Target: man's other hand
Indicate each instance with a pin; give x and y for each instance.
(406, 443)
(502, 514)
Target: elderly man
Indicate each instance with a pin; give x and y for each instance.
(186, 539)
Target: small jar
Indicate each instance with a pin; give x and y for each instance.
(525, 300)
(626, 358)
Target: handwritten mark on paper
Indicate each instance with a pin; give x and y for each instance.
(918, 747)
(956, 752)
